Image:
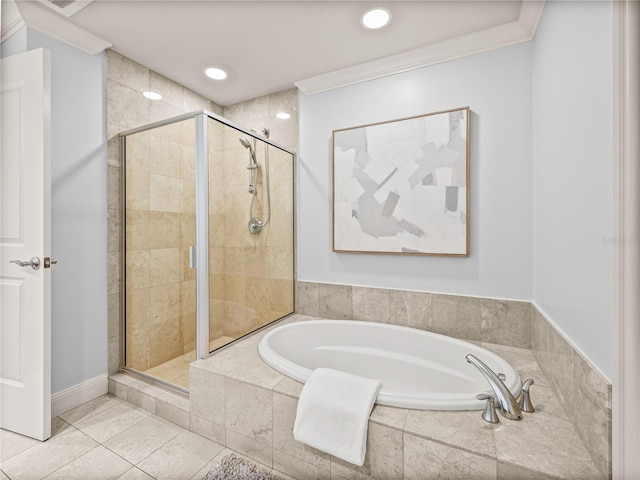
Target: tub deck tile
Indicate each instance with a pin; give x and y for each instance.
(465, 430)
(427, 459)
(454, 444)
(547, 445)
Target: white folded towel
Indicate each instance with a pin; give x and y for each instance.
(333, 413)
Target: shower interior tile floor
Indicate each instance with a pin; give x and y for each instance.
(176, 371)
(108, 438)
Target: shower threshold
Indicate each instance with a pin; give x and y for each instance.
(176, 371)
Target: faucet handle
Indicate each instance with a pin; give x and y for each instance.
(489, 414)
(525, 399)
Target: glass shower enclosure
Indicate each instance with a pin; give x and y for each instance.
(207, 241)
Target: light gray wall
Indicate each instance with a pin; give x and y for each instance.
(497, 87)
(572, 104)
(16, 43)
(78, 213)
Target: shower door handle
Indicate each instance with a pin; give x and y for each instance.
(192, 257)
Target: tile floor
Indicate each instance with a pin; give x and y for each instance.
(108, 438)
(176, 371)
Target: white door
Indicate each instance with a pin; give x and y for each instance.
(25, 292)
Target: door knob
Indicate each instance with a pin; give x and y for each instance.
(33, 263)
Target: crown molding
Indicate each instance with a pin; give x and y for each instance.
(521, 30)
(12, 21)
(55, 26)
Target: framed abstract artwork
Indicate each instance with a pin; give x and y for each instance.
(402, 186)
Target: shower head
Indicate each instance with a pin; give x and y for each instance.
(252, 156)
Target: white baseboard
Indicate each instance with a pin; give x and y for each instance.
(79, 394)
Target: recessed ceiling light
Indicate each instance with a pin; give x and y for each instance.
(283, 115)
(152, 95)
(376, 18)
(216, 73)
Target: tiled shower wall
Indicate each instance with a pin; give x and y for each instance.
(257, 279)
(160, 226)
(127, 109)
(255, 284)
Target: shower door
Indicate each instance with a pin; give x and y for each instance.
(251, 273)
(196, 277)
(160, 287)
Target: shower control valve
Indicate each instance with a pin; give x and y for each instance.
(252, 189)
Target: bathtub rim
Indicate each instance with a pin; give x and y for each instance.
(462, 402)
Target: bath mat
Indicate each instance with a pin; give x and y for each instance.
(233, 467)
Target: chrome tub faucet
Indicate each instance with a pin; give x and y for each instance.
(508, 406)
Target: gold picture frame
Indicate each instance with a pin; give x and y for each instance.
(402, 186)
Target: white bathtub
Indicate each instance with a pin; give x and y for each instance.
(418, 369)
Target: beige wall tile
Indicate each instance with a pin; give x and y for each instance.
(165, 193)
(566, 457)
(410, 309)
(249, 411)
(138, 190)
(137, 152)
(234, 288)
(383, 458)
(113, 188)
(127, 72)
(208, 395)
(113, 230)
(166, 157)
(137, 230)
(260, 452)
(194, 101)
(138, 303)
(256, 292)
(505, 322)
(307, 298)
(281, 295)
(207, 429)
(138, 270)
(113, 315)
(126, 107)
(512, 472)
(159, 111)
(458, 429)
(164, 303)
(427, 459)
(298, 469)
(165, 266)
(334, 301)
(165, 230)
(457, 316)
(370, 304)
(172, 93)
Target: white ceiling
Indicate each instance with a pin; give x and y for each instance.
(266, 46)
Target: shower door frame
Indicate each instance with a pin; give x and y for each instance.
(201, 261)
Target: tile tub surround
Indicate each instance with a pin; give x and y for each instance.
(504, 322)
(239, 401)
(581, 389)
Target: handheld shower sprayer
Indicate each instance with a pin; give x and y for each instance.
(252, 155)
(253, 164)
(255, 224)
